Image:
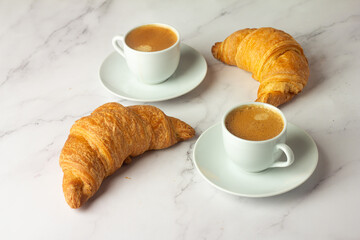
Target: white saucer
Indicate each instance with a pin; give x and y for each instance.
(211, 161)
(116, 77)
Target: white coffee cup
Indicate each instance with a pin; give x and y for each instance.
(256, 156)
(150, 67)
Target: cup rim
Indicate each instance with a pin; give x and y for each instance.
(254, 103)
(154, 52)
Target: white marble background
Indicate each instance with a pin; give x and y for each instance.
(50, 53)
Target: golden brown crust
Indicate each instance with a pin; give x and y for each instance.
(274, 58)
(99, 144)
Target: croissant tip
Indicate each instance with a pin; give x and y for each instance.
(276, 98)
(187, 133)
(73, 198)
(183, 130)
(73, 193)
(215, 49)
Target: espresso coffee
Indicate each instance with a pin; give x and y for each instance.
(255, 123)
(151, 38)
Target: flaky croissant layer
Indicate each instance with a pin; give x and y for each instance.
(99, 144)
(274, 58)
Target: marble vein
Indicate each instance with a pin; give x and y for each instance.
(322, 29)
(61, 37)
(187, 174)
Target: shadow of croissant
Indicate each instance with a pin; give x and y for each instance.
(315, 61)
(118, 176)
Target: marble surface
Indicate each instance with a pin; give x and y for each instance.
(50, 54)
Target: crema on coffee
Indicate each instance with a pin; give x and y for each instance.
(151, 38)
(254, 122)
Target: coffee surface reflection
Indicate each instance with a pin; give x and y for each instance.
(254, 122)
(151, 38)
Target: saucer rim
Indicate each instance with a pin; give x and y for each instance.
(135, 99)
(270, 194)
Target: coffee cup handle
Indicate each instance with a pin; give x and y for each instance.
(117, 46)
(289, 156)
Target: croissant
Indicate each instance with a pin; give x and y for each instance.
(273, 57)
(100, 143)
